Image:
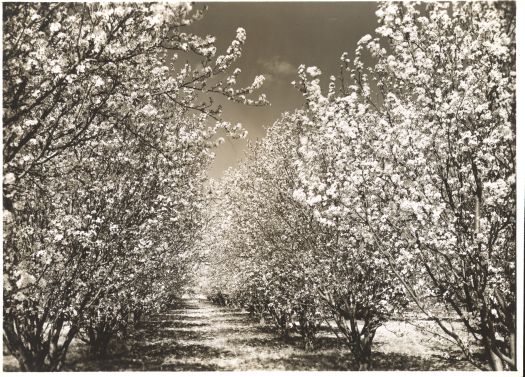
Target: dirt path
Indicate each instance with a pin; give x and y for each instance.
(201, 336)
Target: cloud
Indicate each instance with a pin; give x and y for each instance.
(278, 67)
(268, 77)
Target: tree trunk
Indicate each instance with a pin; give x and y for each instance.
(495, 362)
(512, 344)
(493, 349)
(137, 316)
(363, 350)
(99, 348)
(365, 360)
(41, 353)
(262, 321)
(99, 338)
(308, 343)
(307, 330)
(31, 363)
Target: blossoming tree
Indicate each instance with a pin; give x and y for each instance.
(417, 154)
(104, 159)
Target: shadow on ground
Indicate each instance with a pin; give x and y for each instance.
(198, 336)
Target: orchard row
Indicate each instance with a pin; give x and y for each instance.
(393, 190)
(106, 146)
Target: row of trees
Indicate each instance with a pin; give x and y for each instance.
(275, 258)
(396, 186)
(106, 146)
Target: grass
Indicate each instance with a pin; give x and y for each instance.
(199, 336)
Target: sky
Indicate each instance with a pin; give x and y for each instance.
(280, 37)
